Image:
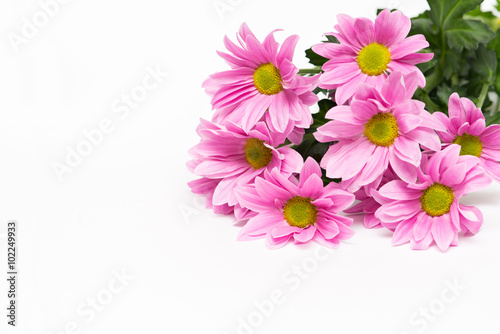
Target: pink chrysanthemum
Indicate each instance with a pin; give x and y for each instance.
(300, 210)
(262, 78)
(380, 128)
(367, 204)
(429, 210)
(466, 127)
(228, 157)
(367, 51)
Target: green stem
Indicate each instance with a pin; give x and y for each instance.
(482, 95)
(313, 71)
(430, 105)
(433, 80)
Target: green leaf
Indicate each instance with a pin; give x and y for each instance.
(493, 119)
(310, 147)
(486, 64)
(447, 16)
(495, 46)
(315, 58)
(478, 13)
(331, 39)
(444, 12)
(468, 34)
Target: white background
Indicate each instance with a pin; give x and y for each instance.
(126, 206)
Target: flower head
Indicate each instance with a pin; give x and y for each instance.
(369, 51)
(262, 85)
(301, 210)
(466, 127)
(228, 157)
(429, 210)
(380, 128)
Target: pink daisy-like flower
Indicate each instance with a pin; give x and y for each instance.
(380, 128)
(300, 210)
(466, 127)
(262, 78)
(228, 157)
(367, 51)
(429, 210)
(367, 204)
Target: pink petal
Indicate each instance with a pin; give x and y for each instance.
(221, 168)
(275, 243)
(312, 187)
(346, 28)
(375, 166)
(403, 232)
(408, 122)
(398, 210)
(409, 45)
(443, 232)
(471, 218)
(408, 150)
(284, 229)
(249, 198)
(279, 112)
(491, 136)
(398, 190)
(344, 114)
(269, 191)
(346, 91)
(261, 224)
(391, 27)
(310, 167)
(362, 110)
(422, 226)
(426, 137)
(292, 162)
(306, 234)
(327, 228)
(357, 159)
(422, 244)
(251, 111)
(287, 48)
(406, 171)
(455, 108)
(393, 89)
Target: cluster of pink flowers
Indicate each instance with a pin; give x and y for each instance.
(406, 168)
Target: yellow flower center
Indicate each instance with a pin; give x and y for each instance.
(257, 154)
(382, 129)
(469, 145)
(300, 212)
(267, 79)
(437, 199)
(373, 59)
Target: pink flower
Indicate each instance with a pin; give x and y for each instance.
(300, 210)
(228, 157)
(429, 210)
(381, 128)
(466, 127)
(368, 204)
(262, 78)
(367, 51)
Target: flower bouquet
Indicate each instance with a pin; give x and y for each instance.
(406, 126)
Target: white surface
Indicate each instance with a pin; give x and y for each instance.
(127, 206)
